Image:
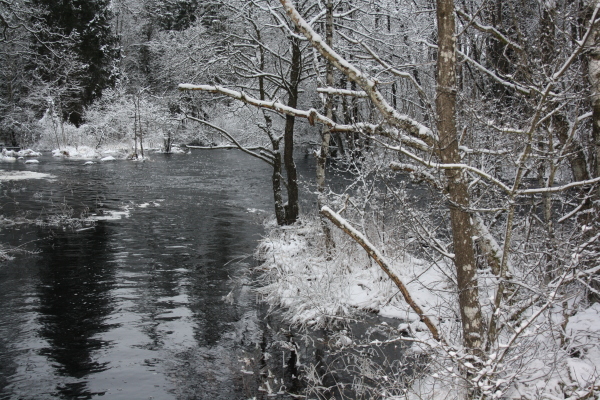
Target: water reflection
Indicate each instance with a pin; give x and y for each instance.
(103, 311)
(75, 281)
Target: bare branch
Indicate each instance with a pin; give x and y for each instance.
(235, 142)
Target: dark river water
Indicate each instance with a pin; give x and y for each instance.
(135, 305)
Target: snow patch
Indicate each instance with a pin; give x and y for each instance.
(9, 159)
(29, 153)
(110, 215)
(254, 210)
(22, 175)
(315, 291)
(76, 153)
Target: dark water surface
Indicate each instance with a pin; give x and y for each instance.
(132, 307)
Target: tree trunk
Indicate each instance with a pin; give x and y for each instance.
(326, 132)
(593, 61)
(292, 208)
(276, 179)
(558, 122)
(354, 137)
(462, 234)
(135, 127)
(575, 153)
(594, 79)
(142, 137)
(496, 50)
(275, 142)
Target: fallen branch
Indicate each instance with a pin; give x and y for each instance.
(385, 266)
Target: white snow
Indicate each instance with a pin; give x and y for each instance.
(29, 153)
(22, 175)
(316, 291)
(8, 159)
(32, 162)
(77, 153)
(583, 333)
(111, 215)
(108, 158)
(89, 153)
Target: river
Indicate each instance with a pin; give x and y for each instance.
(143, 302)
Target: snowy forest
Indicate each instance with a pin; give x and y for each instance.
(466, 133)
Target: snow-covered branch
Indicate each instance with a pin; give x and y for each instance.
(372, 251)
(580, 45)
(489, 29)
(311, 115)
(397, 72)
(489, 246)
(342, 92)
(464, 167)
(493, 75)
(368, 84)
(556, 189)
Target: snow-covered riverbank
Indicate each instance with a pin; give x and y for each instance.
(319, 289)
(86, 153)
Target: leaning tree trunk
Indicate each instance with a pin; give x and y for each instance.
(464, 256)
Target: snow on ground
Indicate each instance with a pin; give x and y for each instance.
(29, 153)
(9, 159)
(555, 357)
(316, 290)
(83, 153)
(583, 335)
(20, 153)
(548, 365)
(106, 153)
(175, 149)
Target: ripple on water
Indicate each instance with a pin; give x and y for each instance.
(113, 311)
